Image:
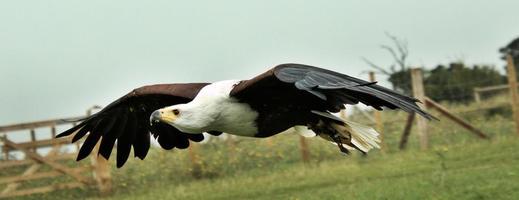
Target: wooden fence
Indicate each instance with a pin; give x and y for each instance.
(30, 161)
(478, 91)
(422, 123)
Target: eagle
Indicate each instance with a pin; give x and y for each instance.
(286, 96)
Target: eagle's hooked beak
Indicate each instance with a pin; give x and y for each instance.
(162, 115)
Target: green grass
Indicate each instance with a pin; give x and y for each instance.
(457, 166)
(486, 170)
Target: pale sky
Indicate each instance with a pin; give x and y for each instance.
(57, 58)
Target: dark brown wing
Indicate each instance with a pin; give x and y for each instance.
(331, 89)
(126, 121)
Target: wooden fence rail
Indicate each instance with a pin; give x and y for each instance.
(34, 163)
(479, 90)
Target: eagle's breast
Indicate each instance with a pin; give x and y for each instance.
(227, 113)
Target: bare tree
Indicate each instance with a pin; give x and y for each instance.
(399, 51)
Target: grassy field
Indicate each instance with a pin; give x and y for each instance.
(457, 166)
(488, 170)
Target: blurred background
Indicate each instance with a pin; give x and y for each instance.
(59, 59)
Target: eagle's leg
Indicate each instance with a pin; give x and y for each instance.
(337, 140)
(330, 134)
(326, 131)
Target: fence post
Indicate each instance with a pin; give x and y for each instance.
(305, 153)
(4, 148)
(419, 93)
(102, 172)
(231, 148)
(407, 131)
(477, 96)
(195, 160)
(303, 146)
(33, 139)
(377, 115)
(512, 82)
(53, 131)
(101, 167)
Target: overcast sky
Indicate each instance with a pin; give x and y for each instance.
(57, 58)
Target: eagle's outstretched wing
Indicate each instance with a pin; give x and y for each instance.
(321, 89)
(127, 121)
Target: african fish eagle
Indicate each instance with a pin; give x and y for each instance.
(286, 96)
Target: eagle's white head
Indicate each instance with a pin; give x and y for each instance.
(187, 118)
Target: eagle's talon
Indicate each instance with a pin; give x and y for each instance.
(343, 149)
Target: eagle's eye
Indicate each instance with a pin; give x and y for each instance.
(176, 111)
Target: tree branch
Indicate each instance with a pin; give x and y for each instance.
(401, 53)
(373, 65)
